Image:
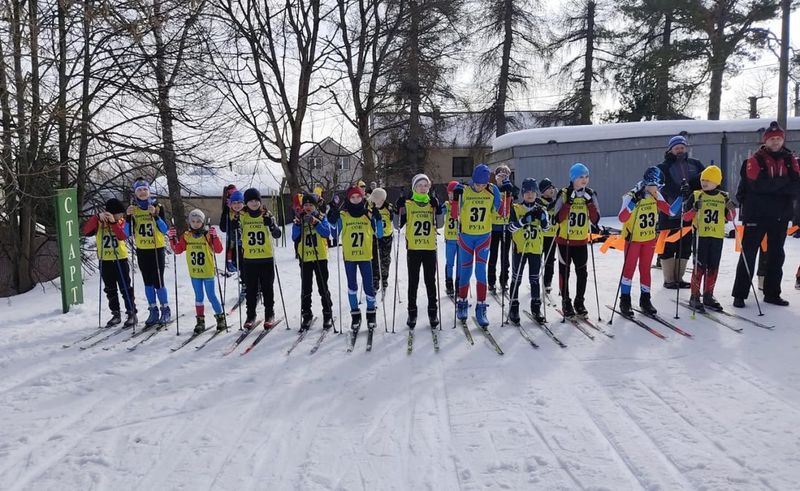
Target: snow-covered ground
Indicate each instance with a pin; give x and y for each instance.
(719, 411)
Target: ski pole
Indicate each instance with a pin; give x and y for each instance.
(628, 241)
(743, 257)
(225, 255)
(694, 270)
(237, 237)
(219, 287)
(396, 279)
(125, 292)
(100, 283)
(594, 273)
(516, 280)
(327, 291)
(550, 251)
(338, 277)
(380, 280)
(280, 290)
(436, 251)
(457, 265)
(175, 275)
(676, 266)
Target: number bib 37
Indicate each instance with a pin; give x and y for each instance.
(420, 232)
(356, 238)
(147, 235)
(476, 209)
(198, 256)
(642, 221)
(109, 248)
(255, 237)
(576, 225)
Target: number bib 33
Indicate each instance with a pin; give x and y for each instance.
(642, 221)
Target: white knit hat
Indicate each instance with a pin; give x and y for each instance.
(418, 178)
(196, 213)
(378, 194)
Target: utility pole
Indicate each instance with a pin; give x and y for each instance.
(783, 75)
(797, 99)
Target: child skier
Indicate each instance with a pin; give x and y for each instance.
(639, 214)
(501, 237)
(547, 200)
(257, 224)
(476, 203)
(450, 239)
(109, 229)
(576, 207)
(383, 245)
(147, 226)
(311, 232)
(356, 226)
(233, 237)
(199, 244)
(527, 223)
(418, 215)
(224, 220)
(708, 209)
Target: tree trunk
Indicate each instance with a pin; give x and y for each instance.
(715, 89)
(369, 170)
(414, 162)
(662, 109)
(588, 67)
(505, 61)
(83, 144)
(783, 74)
(61, 107)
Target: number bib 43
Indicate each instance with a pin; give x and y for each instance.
(710, 218)
(450, 232)
(255, 237)
(313, 247)
(198, 256)
(576, 225)
(420, 232)
(476, 209)
(642, 221)
(146, 234)
(109, 248)
(356, 238)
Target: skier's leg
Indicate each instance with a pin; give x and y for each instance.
(481, 257)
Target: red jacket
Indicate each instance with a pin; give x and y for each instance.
(90, 228)
(770, 182)
(179, 245)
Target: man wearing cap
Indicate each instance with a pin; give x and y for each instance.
(681, 177)
(770, 181)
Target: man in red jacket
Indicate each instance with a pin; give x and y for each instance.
(770, 182)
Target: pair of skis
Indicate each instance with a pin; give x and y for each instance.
(353, 336)
(654, 317)
(410, 340)
(580, 322)
(712, 315)
(486, 333)
(546, 328)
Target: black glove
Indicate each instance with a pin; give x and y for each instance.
(697, 204)
(507, 187)
(276, 232)
(686, 190)
(401, 202)
(435, 203)
(458, 192)
(537, 210)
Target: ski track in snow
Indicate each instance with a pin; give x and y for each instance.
(716, 412)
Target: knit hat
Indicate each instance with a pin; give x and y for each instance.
(480, 175)
(378, 194)
(545, 184)
(712, 173)
(418, 178)
(676, 140)
(773, 130)
(115, 206)
(140, 182)
(230, 189)
(529, 184)
(251, 194)
(577, 170)
(653, 176)
(354, 190)
(198, 214)
(318, 191)
(236, 197)
(451, 186)
(310, 198)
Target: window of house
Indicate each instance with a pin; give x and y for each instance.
(344, 163)
(316, 163)
(462, 166)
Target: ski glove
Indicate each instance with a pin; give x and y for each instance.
(401, 203)
(507, 187)
(458, 191)
(686, 190)
(275, 232)
(434, 202)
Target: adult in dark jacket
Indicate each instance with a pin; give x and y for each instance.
(771, 181)
(681, 177)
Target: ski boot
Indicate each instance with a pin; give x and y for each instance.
(166, 315)
(411, 322)
(327, 320)
(450, 289)
(221, 323)
(797, 283)
(305, 323)
(355, 322)
(480, 315)
(492, 290)
(711, 302)
(201, 324)
(760, 283)
(371, 319)
(625, 305)
(269, 319)
(433, 317)
(580, 309)
(738, 302)
(462, 310)
(776, 300)
(249, 322)
(646, 305)
(566, 308)
(152, 318)
(696, 304)
(513, 312)
(130, 319)
(115, 319)
(230, 267)
(536, 310)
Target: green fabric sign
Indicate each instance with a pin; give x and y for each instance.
(69, 248)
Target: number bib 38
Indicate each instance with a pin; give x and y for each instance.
(356, 237)
(146, 234)
(198, 256)
(476, 210)
(420, 232)
(255, 237)
(642, 221)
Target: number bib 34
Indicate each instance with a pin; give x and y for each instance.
(710, 218)
(420, 232)
(255, 237)
(198, 256)
(356, 238)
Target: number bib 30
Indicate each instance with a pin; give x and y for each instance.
(255, 237)
(576, 225)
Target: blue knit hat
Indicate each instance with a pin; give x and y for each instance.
(236, 197)
(676, 140)
(480, 175)
(140, 183)
(577, 170)
(530, 184)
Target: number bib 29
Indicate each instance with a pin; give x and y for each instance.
(420, 232)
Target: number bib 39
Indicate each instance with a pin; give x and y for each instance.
(147, 235)
(255, 237)
(642, 221)
(198, 256)
(109, 248)
(476, 209)
(710, 218)
(314, 247)
(356, 238)
(576, 225)
(420, 232)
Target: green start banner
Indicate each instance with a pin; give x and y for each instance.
(69, 248)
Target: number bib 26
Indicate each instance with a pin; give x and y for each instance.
(356, 238)
(255, 237)
(109, 248)
(420, 232)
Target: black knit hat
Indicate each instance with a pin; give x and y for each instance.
(310, 198)
(115, 206)
(252, 194)
(545, 184)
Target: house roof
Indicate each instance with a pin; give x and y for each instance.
(203, 183)
(341, 150)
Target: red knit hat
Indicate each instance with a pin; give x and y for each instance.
(354, 190)
(773, 130)
(451, 186)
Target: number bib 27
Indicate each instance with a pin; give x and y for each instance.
(356, 238)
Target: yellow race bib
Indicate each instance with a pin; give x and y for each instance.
(642, 221)
(529, 239)
(476, 211)
(387, 222)
(146, 233)
(109, 248)
(420, 229)
(356, 237)
(710, 218)
(450, 231)
(199, 256)
(256, 241)
(576, 225)
(551, 211)
(313, 246)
